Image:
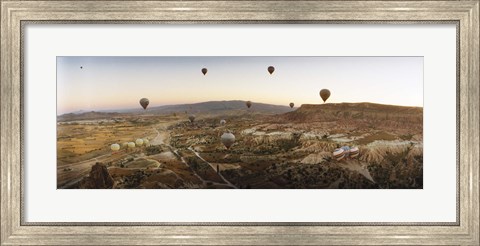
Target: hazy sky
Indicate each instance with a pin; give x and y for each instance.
(120, 82)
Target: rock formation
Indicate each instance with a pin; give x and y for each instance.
(99, 178)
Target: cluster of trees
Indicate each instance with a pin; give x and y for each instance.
(395, 171)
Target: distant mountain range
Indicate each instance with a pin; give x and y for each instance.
(218, 107)
(305, 113)
(211, 107)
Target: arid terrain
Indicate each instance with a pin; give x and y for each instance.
(275, 147)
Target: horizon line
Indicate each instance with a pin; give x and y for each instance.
(156, 106)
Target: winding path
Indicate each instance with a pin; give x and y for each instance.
(211, 165)
(160, 140)
(81, 169)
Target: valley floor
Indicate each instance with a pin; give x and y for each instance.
(269, 153)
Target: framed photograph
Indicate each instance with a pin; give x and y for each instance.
(240, 122)
(206, 137)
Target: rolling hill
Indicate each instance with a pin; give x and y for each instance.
(355, 111)
(210, 107)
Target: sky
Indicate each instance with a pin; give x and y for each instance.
(106, 83)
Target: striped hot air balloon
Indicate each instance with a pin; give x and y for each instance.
(354, 152)
(339, 154)
(346, 150)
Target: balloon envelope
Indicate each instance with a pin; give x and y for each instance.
(354, 152)
(271, 69)
(204, 71)
(144, 102)
(249, 104)
(339, 154)
(324, 94)
(228, 139)
(115, 147)
(291, 105)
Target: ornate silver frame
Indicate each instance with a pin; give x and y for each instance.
(15, 14)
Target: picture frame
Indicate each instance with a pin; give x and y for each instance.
(14, 14)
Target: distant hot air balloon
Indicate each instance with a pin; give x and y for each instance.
(144, 102)
(324, 94)
(271, 69)
(191, 118)
(204, 71)
(291, 105)
(115, 147)
(139, 142)
(249, 104)
(223, 122)
(131, 144)
(228, 139)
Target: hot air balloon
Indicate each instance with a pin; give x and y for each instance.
(324, 94)
(144, 102)
(354, 152)
(223, 122)
(271, 69)
(338, 154)
(191, 118)
(228, 139)
(115, 147)
(204, 71)
(345, 152)
(291, 105)
(249, 104)
(131, 144)
(139, 142)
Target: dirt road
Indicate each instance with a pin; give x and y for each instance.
(66, 179)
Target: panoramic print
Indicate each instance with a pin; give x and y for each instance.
(239, 122)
